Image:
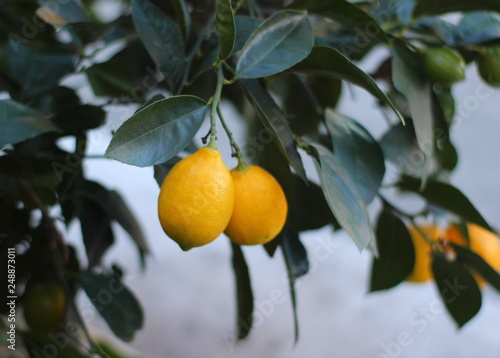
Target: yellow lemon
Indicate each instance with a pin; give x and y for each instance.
(422, 270)
(196, 199)
(260, 207)
(483, 242)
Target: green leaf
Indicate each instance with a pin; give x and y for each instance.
(458, 289)
(80, 118)
(114, 302)
(183, 17)
(279, 43)
(244, 294)
(346, 14)
(343, 198)
(226, 28)
(245, 27)
(478, 27)
(158, 132)
(443, 30)
(110, 79)
(95, 221)
(414, 86)
(18, 123)
(272, 118)
(437, 7)
(327, 61)
(478, 264)
(358, 153)
(309, 208)
(162, 38)
(396, 253)
(38, 69)
(297, 265)
(446, 196)
(118, 210)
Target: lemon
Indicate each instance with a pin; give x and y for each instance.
(422, 270)
(488, 65)
(483, 242)
(260, 206)
(444, 65)
(44, 305)
(196, 199)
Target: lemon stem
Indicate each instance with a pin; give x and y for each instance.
(215, 102)
(242, 166)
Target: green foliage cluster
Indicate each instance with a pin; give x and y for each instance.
(284, 68)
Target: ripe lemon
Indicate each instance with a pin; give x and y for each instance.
(422, 271)
(196, 199)
(483, 242)
(488, 65)
(260, 206)
(44, 306)
(444, 65)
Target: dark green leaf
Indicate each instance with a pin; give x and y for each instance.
(279, 43)
(18, 122)
(458, 289)
(244, 294)
(309, 209)
(183, 17)
(110, 79)
(158, 132)
(272, 118)
(84, 33)
(343, 198)
(330, 62)
(446, 196)
(396, 253)
(414, 86)
(245, 27)
(297, 265)
(115, 303)
(358, 153)
(478, 27)
(79, 118)
(478, 264)
(162, 39)
(118, 210)
(443, 30)
(346, 14)
(38, 70)
(95, 221)
(226, 28)
(436, 7)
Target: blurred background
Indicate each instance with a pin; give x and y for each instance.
(189, 299)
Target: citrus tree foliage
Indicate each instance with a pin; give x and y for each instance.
(283, 65)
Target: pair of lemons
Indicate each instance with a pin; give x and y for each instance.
(200, 198)
(481, 241)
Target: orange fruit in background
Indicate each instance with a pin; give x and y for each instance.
(44, 305)
(422, 270)
(483, 242)
(196, 199)
(260, 207)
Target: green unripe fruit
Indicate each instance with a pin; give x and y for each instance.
(44, 305)
(444, 66)
(488, 65)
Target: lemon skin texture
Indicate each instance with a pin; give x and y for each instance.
(260, 207)
(422, 270)
(196, 199)
(44, 306)
(444, 66)
(483, 242)
(488, 66)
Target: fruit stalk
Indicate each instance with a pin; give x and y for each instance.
(215, 102)
(242, 166)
